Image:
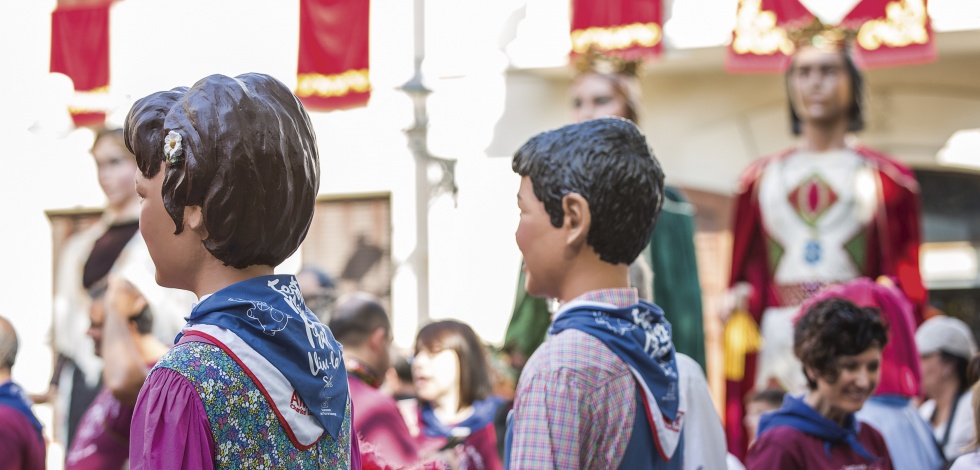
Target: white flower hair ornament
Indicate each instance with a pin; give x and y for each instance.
(172, 148)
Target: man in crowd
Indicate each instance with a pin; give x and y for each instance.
(21, 441)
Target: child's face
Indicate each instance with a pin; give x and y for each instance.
(168, 251)
(540, 242)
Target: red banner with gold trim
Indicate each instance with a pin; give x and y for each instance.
(630, 29)
(80, 50)
(891, 33)
(333, 54)
(888, 33)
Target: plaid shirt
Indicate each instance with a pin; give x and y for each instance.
(575, 400)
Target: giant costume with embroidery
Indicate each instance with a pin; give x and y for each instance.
(804, 221)
(269, 376)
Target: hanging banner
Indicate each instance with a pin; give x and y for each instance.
(891, 33)
(885, 32)
(630, 29)
(80, 50)
(333, 54)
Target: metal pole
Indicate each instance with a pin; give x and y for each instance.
(417, 142)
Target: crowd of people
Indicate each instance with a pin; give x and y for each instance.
(178, 346)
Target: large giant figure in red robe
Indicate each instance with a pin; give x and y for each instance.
(823, 212)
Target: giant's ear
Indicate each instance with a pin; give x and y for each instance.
(578, 219)
(194, 219)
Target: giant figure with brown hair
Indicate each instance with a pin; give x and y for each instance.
(823, 212)
(229, 173)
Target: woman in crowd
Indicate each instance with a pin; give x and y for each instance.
(840, 347)
(890, 410)
(455, 405)
(971, 460)
(946, 345)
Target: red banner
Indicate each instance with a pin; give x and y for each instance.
(630, 29)
(333, 54)
(80, 50)
(891, 33)
(888, 33)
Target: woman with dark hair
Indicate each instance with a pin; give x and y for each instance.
(455, 405)
(891, 410)
(946, 345)
(839, 345)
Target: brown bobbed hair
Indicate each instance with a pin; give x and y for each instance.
(474, 373)
(833, 328)
(249, 161)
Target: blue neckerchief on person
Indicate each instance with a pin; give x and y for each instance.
(483, 414)
(639, 335)
(795, 413)
(268, 314)
(13, 396)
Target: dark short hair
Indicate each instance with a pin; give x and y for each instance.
(356, 318)
(855, 121)
(608, 162)
(474, 373)
(961, 366)
(249, 160)
(833, 328)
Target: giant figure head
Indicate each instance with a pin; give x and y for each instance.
(241, 150)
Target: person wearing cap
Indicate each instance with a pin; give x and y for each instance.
(946, 345)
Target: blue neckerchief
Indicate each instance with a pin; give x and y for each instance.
(483, 414)
(795, 413)
(13, 396)
(638, 334)
(269, 314)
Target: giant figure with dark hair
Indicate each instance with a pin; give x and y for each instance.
(666, 272)
(839, 345)
(823, 212)
(607, 390)
(228, 177)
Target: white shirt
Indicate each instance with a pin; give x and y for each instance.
(962, 433)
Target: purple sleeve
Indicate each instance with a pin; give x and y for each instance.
(170, 428)
(20, 444)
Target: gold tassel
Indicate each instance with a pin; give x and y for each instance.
(741, 337)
